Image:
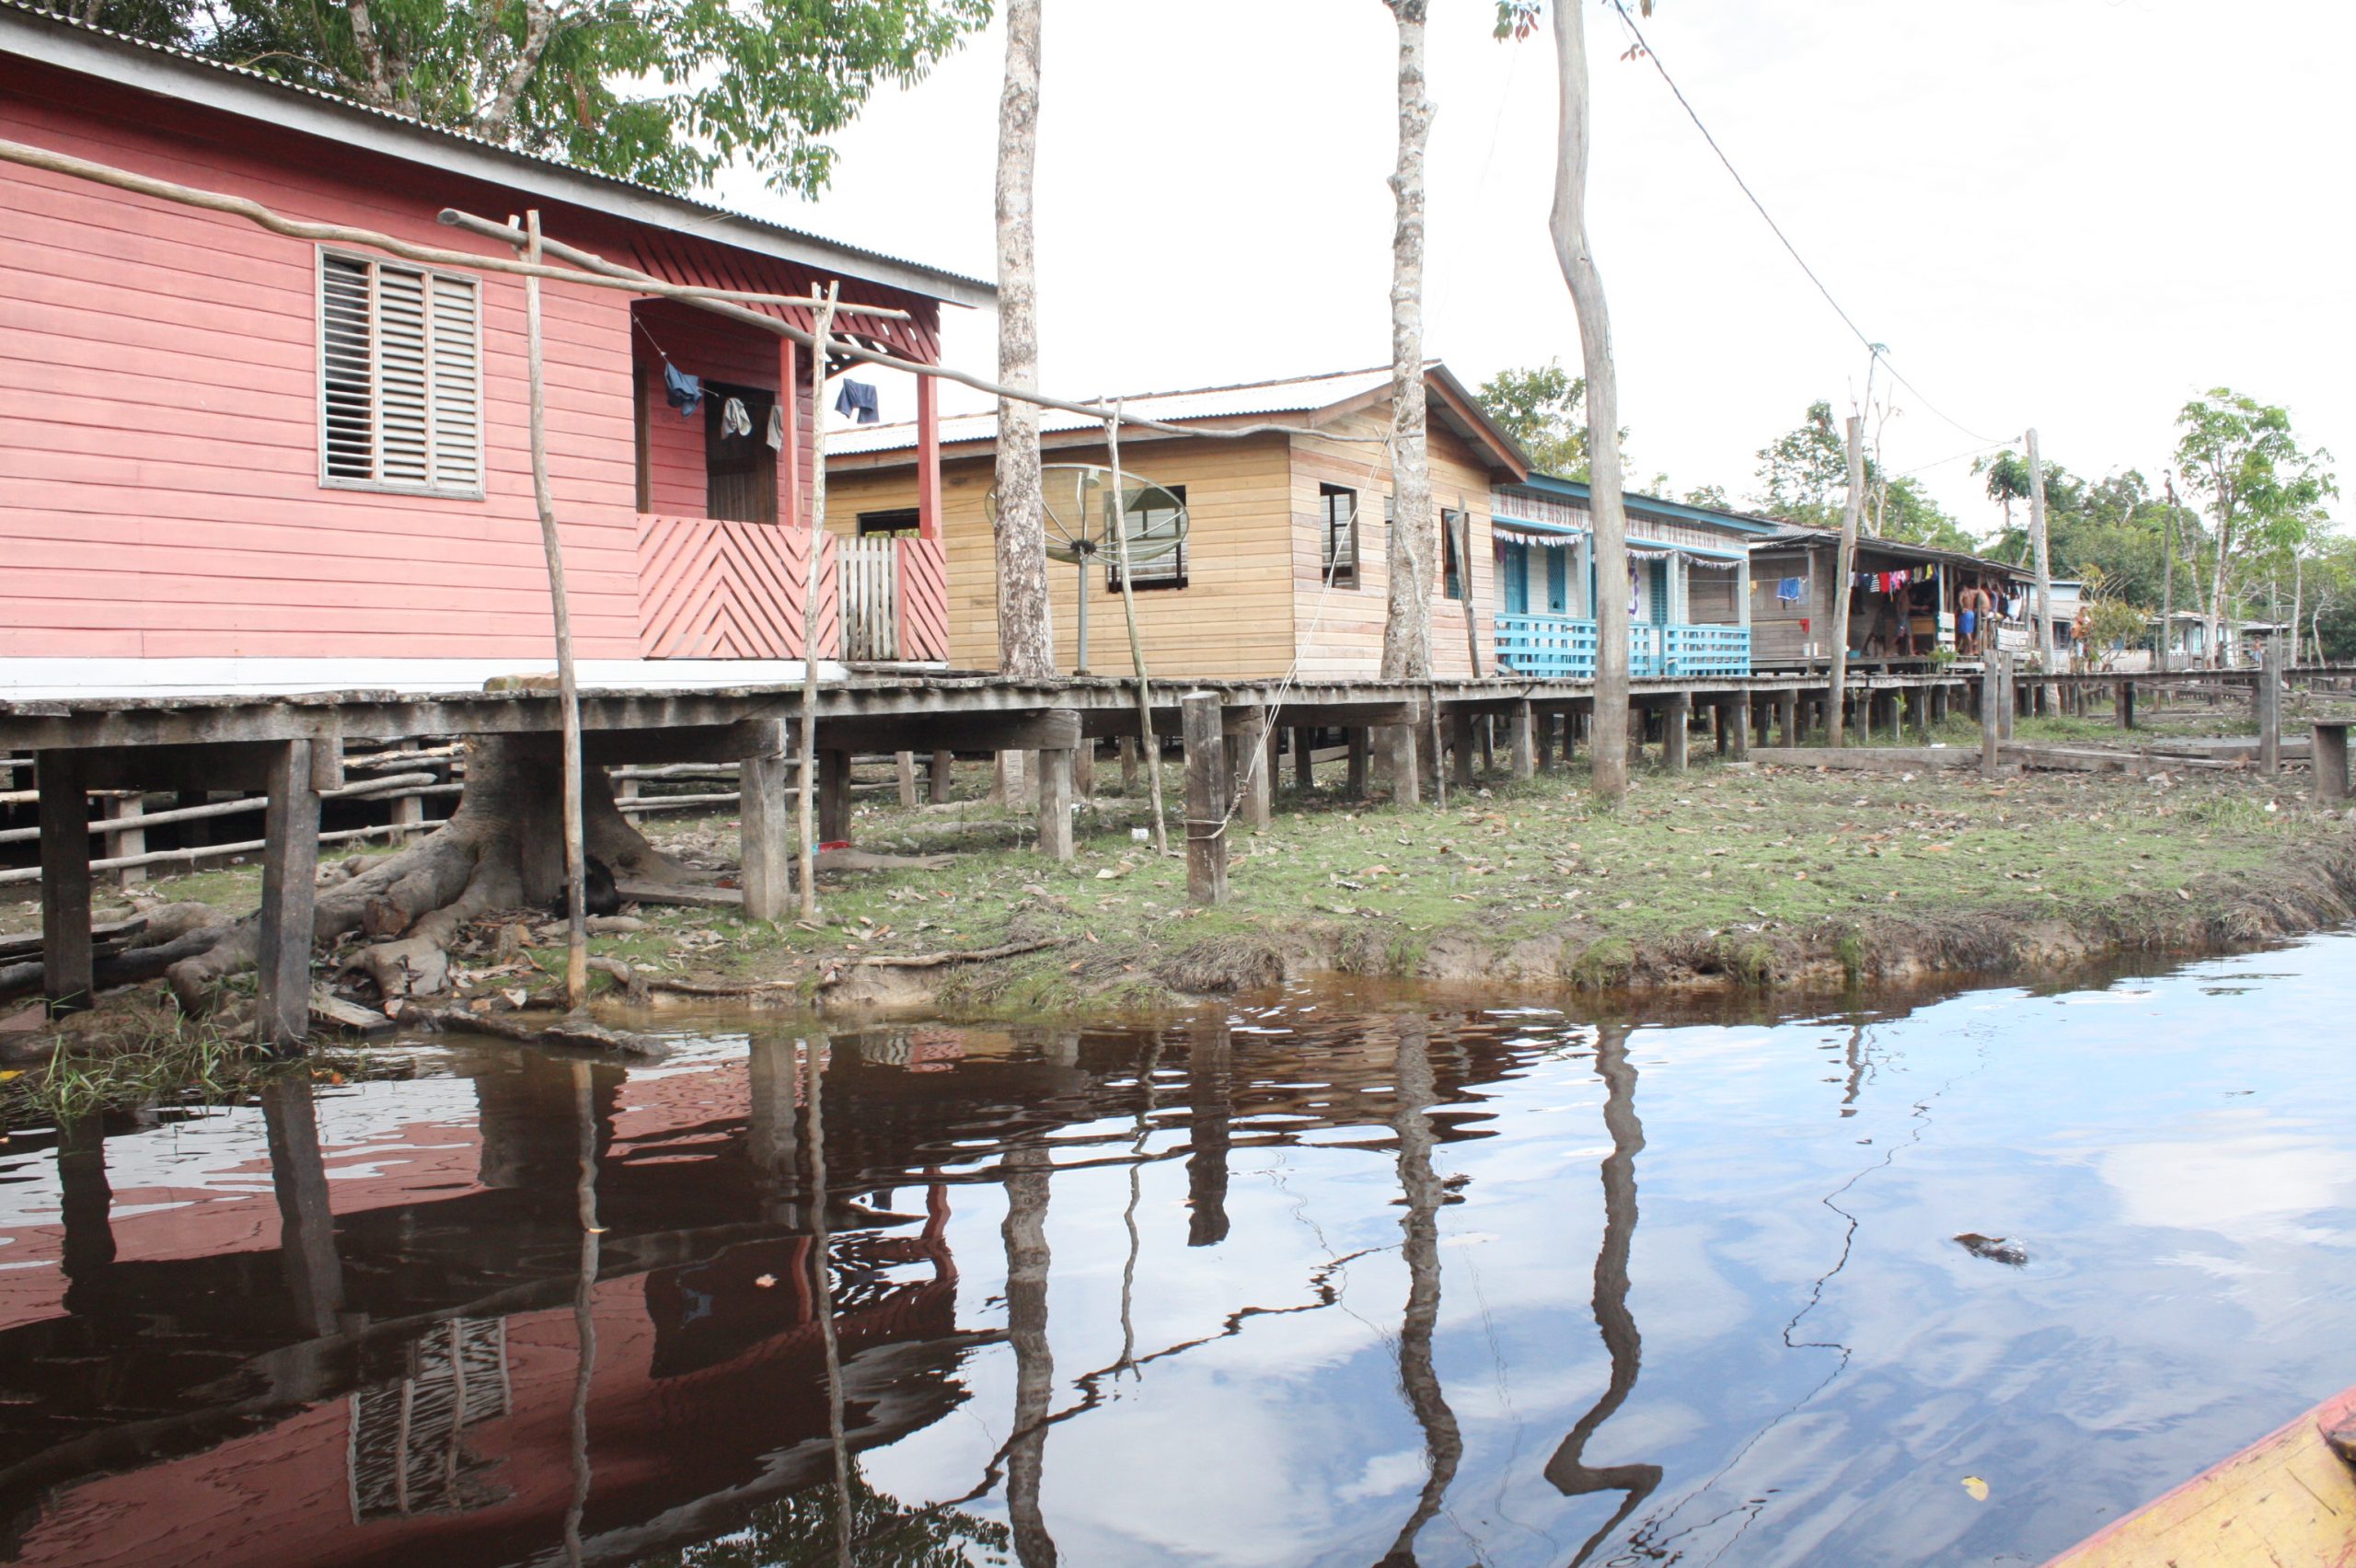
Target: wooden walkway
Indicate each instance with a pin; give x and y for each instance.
(291, 748)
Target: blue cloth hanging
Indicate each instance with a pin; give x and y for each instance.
(684, 391)
(858, 399)
(1789, 590)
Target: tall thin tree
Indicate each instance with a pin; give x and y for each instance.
(1407, 621)
(1606, 505)
(1025, 623)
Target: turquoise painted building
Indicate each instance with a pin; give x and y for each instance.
(1689, 583)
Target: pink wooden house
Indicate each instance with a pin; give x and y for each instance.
(234, 460)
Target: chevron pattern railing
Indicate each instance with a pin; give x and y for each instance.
(714, 590)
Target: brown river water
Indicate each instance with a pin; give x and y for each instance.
(1335, 1276)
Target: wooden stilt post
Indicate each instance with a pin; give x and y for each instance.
(2123, 704)
(1461, 746)
(2331, 763)
(834, 796)
(1677, 729)
(904, 765)
(1993, 705)
(766, 838)
(290, 879)
(1304, 759)
(1787, 718)
(1205, 779)
(1254, 787)
(1738, 734)
(1361, 745)
(1522, 743)
(122, 843)
(64, 881)
(2269, 708)
(1485, 726)
(943, 765)
(1546, 741)
(1083, 769)
(1128, 768)
(1055, 804)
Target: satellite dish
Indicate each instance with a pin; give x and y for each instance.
(1081, 520)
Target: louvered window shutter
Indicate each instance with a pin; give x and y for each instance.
(400, 383)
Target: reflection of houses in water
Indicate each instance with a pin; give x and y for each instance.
(400, 1378)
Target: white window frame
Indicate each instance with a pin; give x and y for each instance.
(430, 275)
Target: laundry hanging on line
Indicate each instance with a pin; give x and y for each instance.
(857, 399)
(734, 420)
(684, 391)
(1789, 590)
(777, 427)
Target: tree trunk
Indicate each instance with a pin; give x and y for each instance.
(2217, 580)
(1610, 748)
(1407, 621)
(1025, 622)
(501, 850)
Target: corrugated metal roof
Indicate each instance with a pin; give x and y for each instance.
(21, 25)
(1299, 395)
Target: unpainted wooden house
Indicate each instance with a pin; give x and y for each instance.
(234, 459)
(1285, 557)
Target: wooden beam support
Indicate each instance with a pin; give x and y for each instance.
(290, 878)
(1256, 786)
(1205, 742)
(1522, 742)
(1304, 759)
(1459, 746)
(1995, 703)
(64, 881)
(1677, 723)
(2331, 762)
(765, 818)
(1406, 788)
(834, 795)
(1009, 732)
(2269, 708)
(1361, 745)
(1055, 804)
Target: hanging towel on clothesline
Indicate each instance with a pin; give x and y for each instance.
(858, 399)
(684, 391)
(1788, 591)
(777, 427)
(734, 420)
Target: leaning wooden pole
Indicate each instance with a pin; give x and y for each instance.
(1844, 581)
(568, 690)
(1117, 523)
(806, 870)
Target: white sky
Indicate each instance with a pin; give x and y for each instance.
(1212, 207)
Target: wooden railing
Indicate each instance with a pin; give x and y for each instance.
(709, 589)
(1563, 648)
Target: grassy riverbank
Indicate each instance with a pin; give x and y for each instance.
(1782, 877)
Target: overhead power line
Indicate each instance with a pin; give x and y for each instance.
(1873, 348)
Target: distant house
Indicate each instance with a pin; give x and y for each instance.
(1285, 563)
(1905, 600)
(1285, 557)
(1689, 583)
(237, 458)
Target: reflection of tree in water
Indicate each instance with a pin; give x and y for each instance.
(806, 1527)
(1443, 1444)
(1568, 1469)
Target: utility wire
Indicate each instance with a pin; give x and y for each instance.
(1876, 349)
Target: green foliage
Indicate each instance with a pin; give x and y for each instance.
(2263, 491)
(667, 92)
(1801, 469)
(1544, 409)
(801, 1528)
(1904, 509)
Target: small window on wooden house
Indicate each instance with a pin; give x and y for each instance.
(1157, 557)
(1451, 568)
(739, 464)
(1338, 525)
(896, 520)
(400, 378)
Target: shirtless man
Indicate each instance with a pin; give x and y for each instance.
(1972, 619)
